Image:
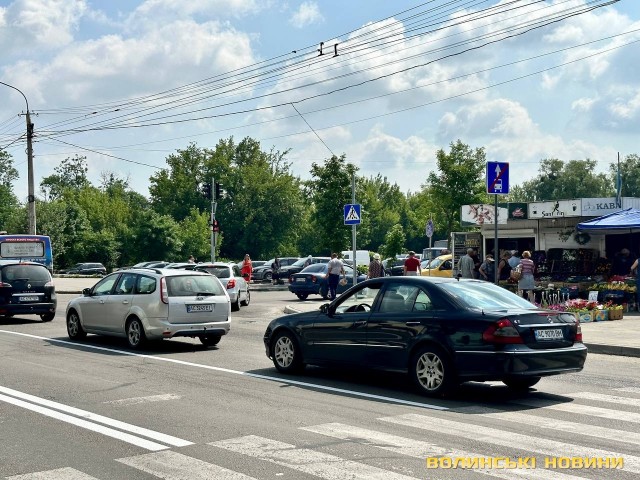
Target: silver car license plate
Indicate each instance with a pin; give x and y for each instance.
(301, 280)
(29, 299)
(550, 334)
(207, 307)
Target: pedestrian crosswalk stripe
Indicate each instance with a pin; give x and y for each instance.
(584, 410)
(352, 214)
(421, 449)
(555, 424)
(57, 474)
(600, 397)
(176, 466)
(510, 440)
(323, 465)
(628, 389)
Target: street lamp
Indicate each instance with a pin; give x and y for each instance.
(31, 199)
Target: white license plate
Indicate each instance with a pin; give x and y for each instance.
(301, 280)
(200, 308)
(551, 334)
(29, 299)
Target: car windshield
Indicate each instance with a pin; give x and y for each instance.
(316, 268)
(220, 272)
(299, 263)
(32, 273)
(435, 263)
(189, 285)
(485, 296)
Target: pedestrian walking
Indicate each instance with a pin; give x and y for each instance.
(275, 270)
(191, 259)
(247, 268)
(488, 269)
(308, 262)
(527, 268)
(635, 268)
(412, 265)
(335, 269)
(504, 269)
(375, 269)
(467, 264)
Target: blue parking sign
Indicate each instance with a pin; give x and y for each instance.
(498, 178)
(352, 214)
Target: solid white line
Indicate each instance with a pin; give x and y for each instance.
(110, 432)
(510, 440)
(150, 399)
(554, 424)
(127, 427)
(583, 410)
(66, 473)
(600, 397)
(176, 466)
(315, 386)
(304, 460)
(628, 389)
(419, 449)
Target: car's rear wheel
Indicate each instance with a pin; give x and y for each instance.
(235, 306)
(432, 371)
(74, 327)
(47, 317)
(135, 333)
(286, 353)
(302, 296)
(247, 300)
(324, 292)
(521, 383)
(210, 340)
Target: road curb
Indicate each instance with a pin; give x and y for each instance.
(613, 350)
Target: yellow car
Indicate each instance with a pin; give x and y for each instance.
(441, 266)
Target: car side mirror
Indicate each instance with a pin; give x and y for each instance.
(86, 292)
(325, 309)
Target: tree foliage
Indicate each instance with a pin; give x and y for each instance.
(70, 174)
(8, 201)
(629, 174)
(394, 242)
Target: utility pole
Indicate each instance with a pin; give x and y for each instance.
(31, 199)
(214, 234)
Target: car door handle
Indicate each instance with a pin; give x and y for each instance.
(125, 301)
(413, 324)
(359, 323)
(102, 301)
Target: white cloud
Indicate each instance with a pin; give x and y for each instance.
(307, 14)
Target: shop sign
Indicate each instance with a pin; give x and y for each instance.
(555, 209)
(482, 214)
(518, 211)
(596, 207)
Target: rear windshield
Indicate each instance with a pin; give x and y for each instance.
(33, 273)
(220, 272)
(190, 285)
(485, 296)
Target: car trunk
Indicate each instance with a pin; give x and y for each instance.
(198, 309)
(542, 330)
(27, 285)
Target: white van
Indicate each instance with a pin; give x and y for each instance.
(362, 256)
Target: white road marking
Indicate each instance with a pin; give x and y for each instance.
(176, 466)
(323, 465)
(287, 381)
(91, 420)
(629, 389)
(419, 449)
(57, 474)
(581, 410)
(510, 440)
(150, 399)
(600, 397)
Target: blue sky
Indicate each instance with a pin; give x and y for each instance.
(389, 100)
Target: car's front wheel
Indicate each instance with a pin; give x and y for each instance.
(522, 384)
(286, 353)
(210, 340)
(432, 371)
(47, 317)
(135, 333)
(268, 277)
(74, 327)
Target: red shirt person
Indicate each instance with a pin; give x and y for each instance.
(412, 265)
(247, 268)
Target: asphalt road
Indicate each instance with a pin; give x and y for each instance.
(97, 410)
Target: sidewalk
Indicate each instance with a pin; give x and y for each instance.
(617, 337)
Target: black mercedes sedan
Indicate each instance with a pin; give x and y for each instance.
(441, 331)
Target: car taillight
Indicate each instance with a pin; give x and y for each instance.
(164, 293)
(314, 279)
(231, 283)
(578, 331)
(7, 285)
(290, 279)
(502, 332)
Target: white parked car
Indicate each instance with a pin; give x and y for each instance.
(151, 304)
(230, 276)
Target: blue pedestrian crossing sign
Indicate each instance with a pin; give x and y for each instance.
(498, 178)
(352, 214)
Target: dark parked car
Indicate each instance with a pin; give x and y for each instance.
(87, 269)
(313, 281)
(298, 265)
(442, 331)
(394, 267)
(26, 288)
(264, 273)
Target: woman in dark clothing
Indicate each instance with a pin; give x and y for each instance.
(504, 269)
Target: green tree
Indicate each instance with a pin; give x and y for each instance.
(154, 236)
(393, 242)
(70, 174)
(195, 236)
(629, 174)
(458, 181)
(8, 201)
(382, 204)
(330, 190)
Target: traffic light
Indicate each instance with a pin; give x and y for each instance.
(219, 190)
(216, 226)
(206, 190)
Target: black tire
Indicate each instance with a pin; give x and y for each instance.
(286, 353)
(210, 340)
(324, 292)
(521, 384)
(47, 317)
(302, 296)
(74, 327)
(135, 333)
(432, 371)
(268, 277)
(247, 300)
(235, 306)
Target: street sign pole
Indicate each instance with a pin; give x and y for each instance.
(497, 183)
(430, 235)
(353, 232)
(495, 239)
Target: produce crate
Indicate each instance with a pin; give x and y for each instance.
(615, 314)
(600, 315)
(585, 317)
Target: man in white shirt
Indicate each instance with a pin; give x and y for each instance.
(335, 268)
